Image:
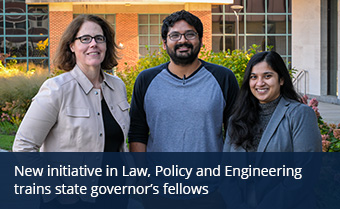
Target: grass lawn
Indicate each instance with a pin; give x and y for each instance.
(6, 141)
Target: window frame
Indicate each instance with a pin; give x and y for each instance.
(243, 21)
(27, 36)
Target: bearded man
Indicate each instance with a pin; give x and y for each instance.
(182, 105)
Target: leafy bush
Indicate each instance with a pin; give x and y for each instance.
(235, 60)
(330, 137)
(129, 74)
(330, 133)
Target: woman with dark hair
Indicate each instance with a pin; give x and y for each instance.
(268, 115)
(83, 109)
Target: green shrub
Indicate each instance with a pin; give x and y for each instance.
(330, 133)
(129, 74)
(235, 60)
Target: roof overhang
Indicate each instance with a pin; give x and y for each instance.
(132, 2)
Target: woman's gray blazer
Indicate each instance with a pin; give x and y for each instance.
(293, 127)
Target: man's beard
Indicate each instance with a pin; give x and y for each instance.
(184, 58)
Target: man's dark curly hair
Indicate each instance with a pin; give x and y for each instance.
(182, 15)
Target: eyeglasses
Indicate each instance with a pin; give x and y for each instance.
(188, 36)
(86, 39)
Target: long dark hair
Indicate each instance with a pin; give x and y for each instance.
(245, 114)
(65, 58)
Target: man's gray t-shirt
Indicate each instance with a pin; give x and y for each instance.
(171, 114)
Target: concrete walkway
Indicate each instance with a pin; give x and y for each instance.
(329, 112)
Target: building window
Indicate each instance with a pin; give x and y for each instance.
(149, 32)
(24, 32)
(262, 22)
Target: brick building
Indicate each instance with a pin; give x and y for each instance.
(136, 25)
(303, 32)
